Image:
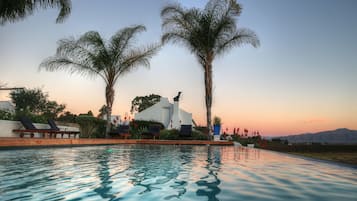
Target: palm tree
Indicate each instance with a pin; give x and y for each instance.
(207, 33)
(92, 55)
(15, 10)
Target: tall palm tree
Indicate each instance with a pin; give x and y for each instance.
(92, 55)
(15, 10)
(207, 33)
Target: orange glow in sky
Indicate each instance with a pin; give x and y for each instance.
(302, 78)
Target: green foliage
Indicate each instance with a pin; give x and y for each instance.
(137, 127)
(172, 134)
(140, 103)
(249, 140)
(198, 135)
(111, 59)
(145, 124)
(67, 117)
(207, 33)
(35, 104)
(4, 115)
(136, 132)
(91, 127)
(15, 10)
(217, 121)
(202, 129)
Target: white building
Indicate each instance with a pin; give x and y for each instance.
(170, 115)
(7, 106)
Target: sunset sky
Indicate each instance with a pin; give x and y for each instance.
(303, 78)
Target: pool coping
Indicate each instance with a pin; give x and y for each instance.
(43, 142)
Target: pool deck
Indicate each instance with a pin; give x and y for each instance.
(38, 142)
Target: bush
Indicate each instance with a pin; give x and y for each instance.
(202, 129)
(198, 135)
(6, 115)
(91, 127)
(136, 132)
(217, 121)
(137, 127)
(172, 134)
(145, 124)
(33, 117)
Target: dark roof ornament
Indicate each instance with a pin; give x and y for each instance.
(176, 98)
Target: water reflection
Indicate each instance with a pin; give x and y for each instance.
(211, 181)
(104, 175)
(159, 169)
(146, 172)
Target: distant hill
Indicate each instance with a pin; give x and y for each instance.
(338, 136)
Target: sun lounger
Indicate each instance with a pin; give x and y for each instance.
(153, 132)
(54, 126)
(30, 129)
(122, 131)
(185, 131)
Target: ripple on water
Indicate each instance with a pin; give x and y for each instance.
(147, 172)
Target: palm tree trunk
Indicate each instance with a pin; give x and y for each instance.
(109, 95)
(208, 96)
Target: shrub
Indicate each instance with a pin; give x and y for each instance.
(217, 121)
(198, 135)
(136, 132)
(145, 124)
(137, 127)
(172, 134)
(33, 117)
(202, 129)
(4, 115)
(91, 127)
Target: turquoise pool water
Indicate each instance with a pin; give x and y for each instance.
(153, 172)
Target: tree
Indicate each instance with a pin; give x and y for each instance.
(140, 103)
(67, 117)
(92, 55)
(35, 102)
(207, 33)
(15, 10)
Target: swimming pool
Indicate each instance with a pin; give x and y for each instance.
(167, 172)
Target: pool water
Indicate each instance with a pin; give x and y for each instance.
(167, 172)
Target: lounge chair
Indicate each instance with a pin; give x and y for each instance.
(121, 131)
(54, 127)
(153, 132)
(185, 131)
(30, 129)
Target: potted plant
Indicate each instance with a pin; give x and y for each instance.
(216, 126)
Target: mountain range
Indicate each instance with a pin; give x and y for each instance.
(338, 136)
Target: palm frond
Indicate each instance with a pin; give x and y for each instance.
(16, 10)
(75, 57)
(242, 36)
(121, 41)
(135, 58)
(65, 10)
(56, 63)
(96, 45)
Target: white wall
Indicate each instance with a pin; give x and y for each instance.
(6, 128)
(185, 117)
(157, 112)
(163, 112)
